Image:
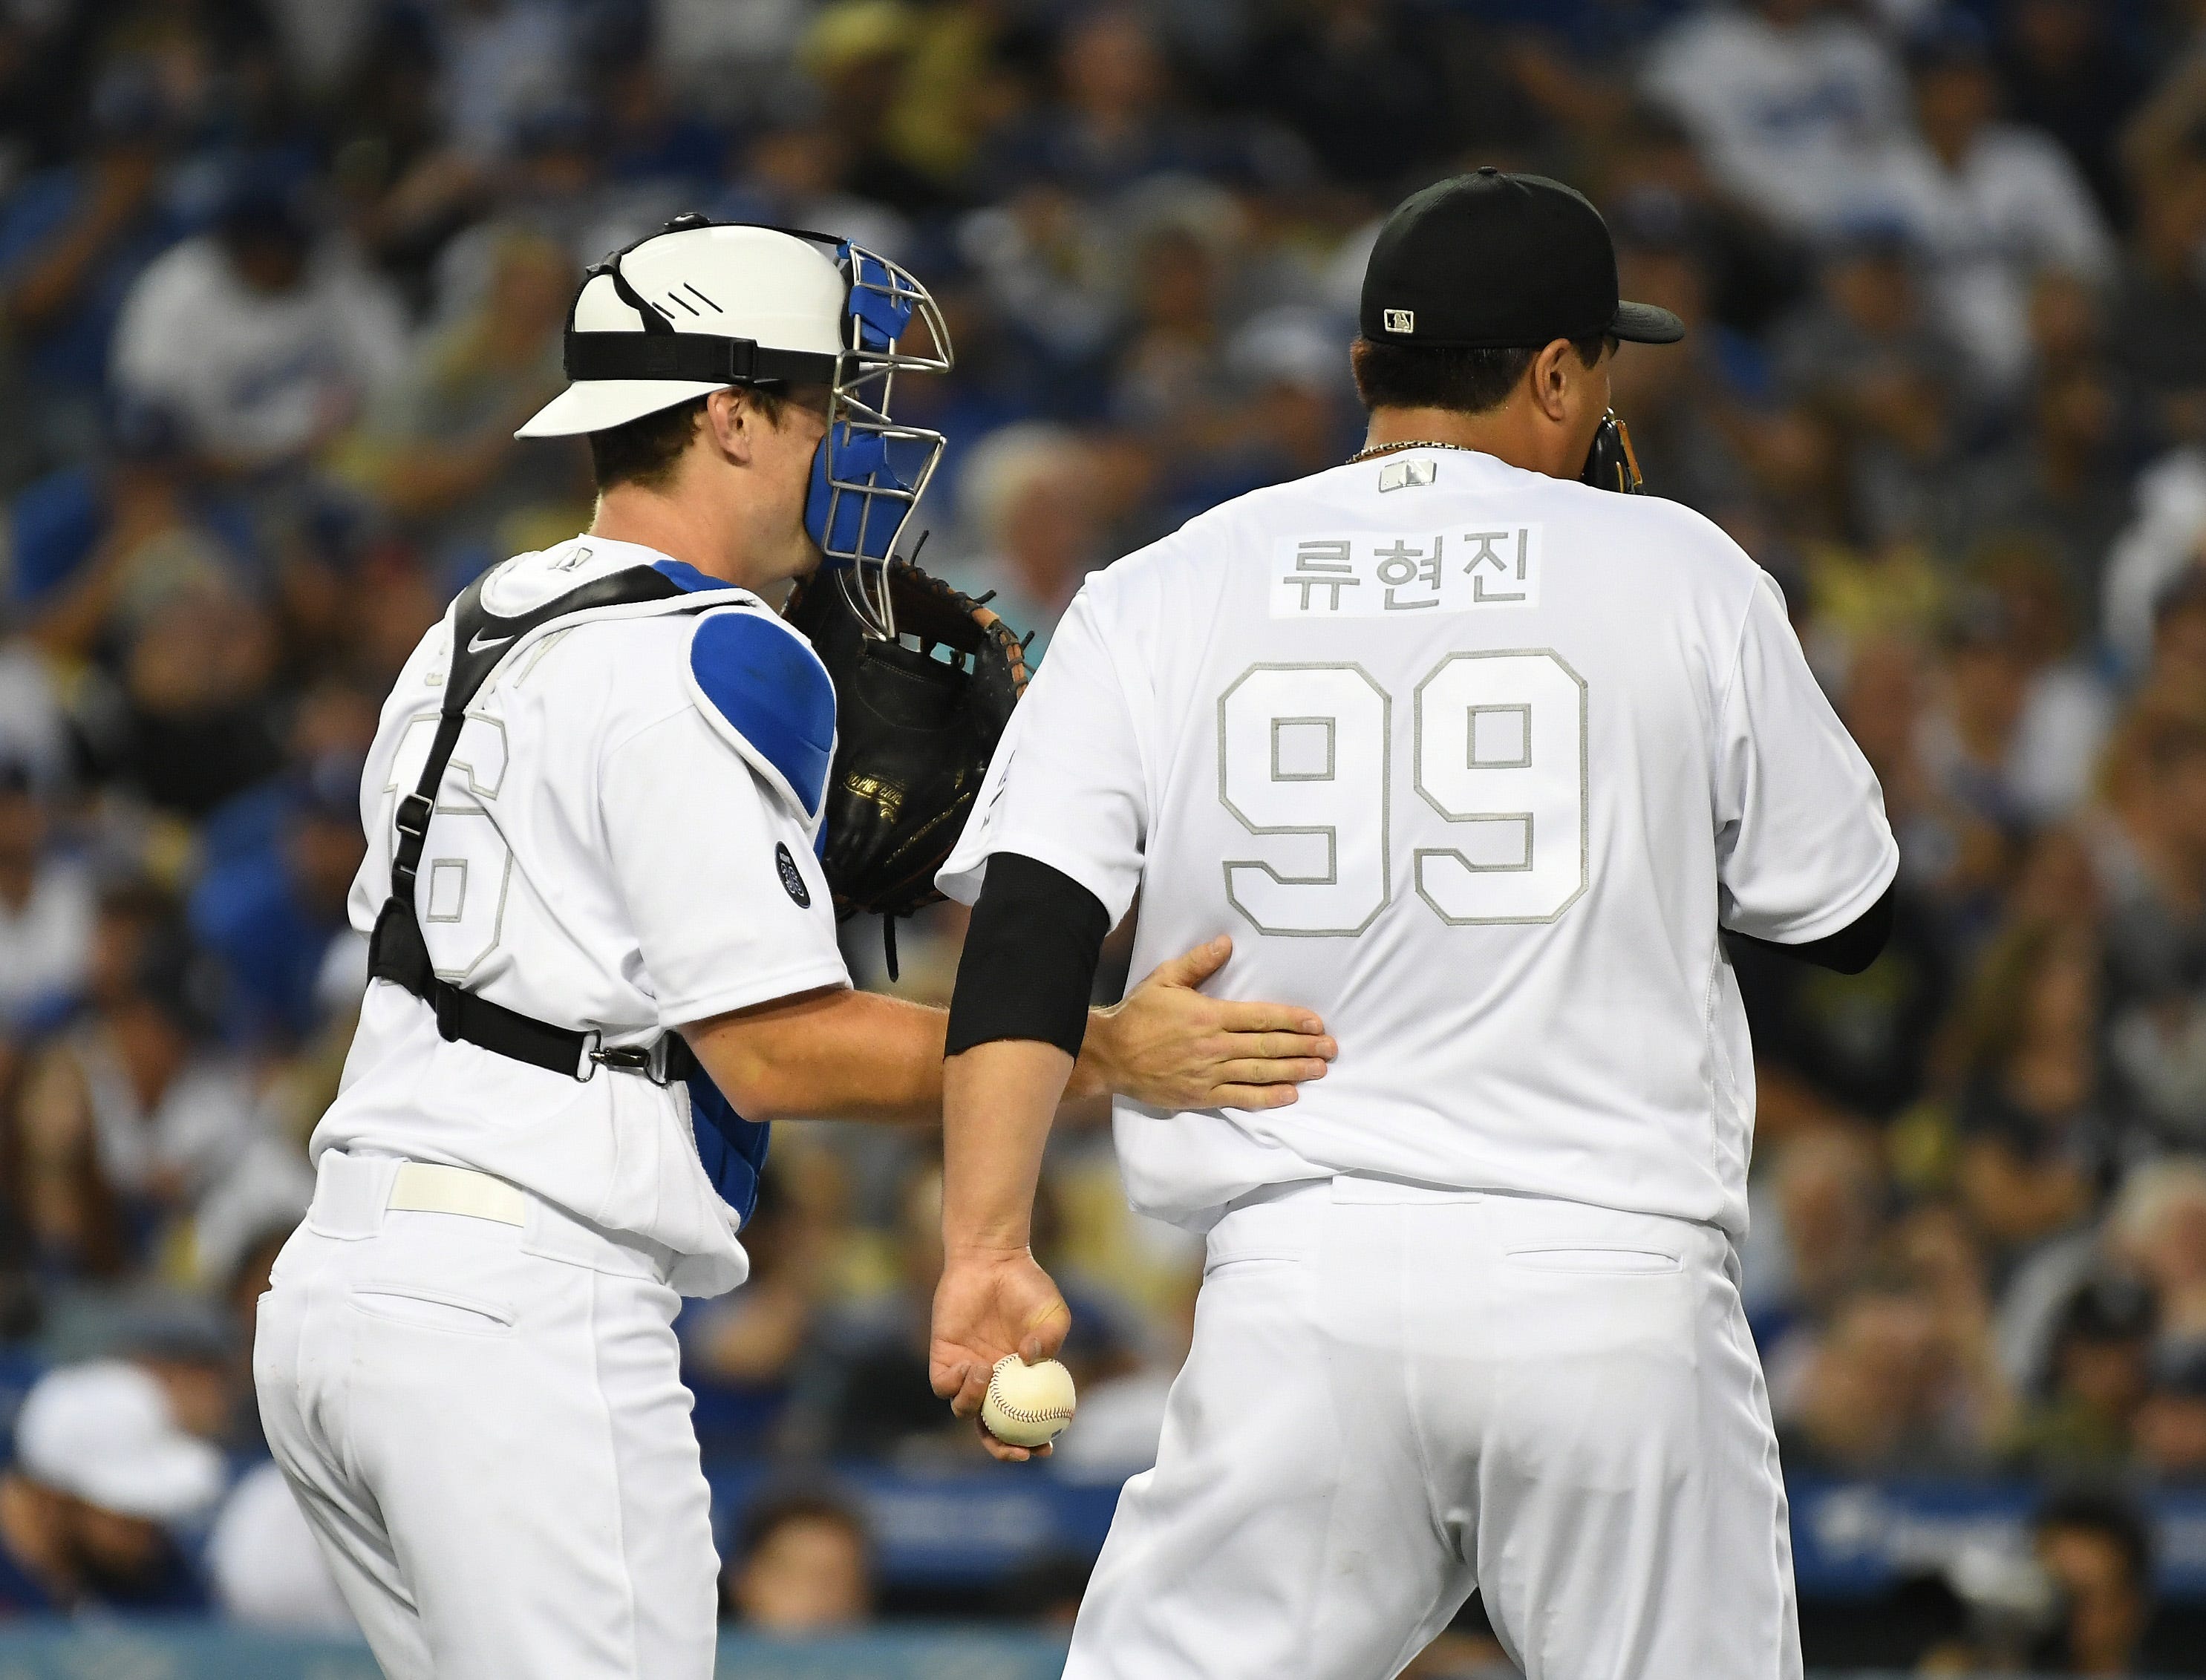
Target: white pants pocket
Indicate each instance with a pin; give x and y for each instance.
(1585, 1260)
(424, 1306)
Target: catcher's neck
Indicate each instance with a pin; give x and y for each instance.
(719, 540)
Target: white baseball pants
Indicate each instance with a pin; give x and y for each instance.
(486, 1424)
(1397, 1396)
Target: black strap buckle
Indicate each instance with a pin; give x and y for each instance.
(654, 1061)
(592, 1055)
(413, 814)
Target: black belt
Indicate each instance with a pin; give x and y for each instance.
(560, 1050)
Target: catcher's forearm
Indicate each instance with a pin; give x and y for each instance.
(826, 1055)
(998, 1099)
(847, 1055)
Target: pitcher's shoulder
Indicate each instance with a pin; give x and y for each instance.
(1682, 536)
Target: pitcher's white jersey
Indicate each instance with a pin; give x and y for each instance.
(609, 853)
(1476, 763)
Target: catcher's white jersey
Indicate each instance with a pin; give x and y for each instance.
(1476, 763)
(608, 853)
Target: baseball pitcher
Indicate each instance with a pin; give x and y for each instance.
(1484, 763)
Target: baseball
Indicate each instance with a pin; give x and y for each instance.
(1028, 1404)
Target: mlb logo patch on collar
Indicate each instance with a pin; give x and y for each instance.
(1399, 474)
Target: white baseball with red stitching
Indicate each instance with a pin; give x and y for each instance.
(1028, 1404)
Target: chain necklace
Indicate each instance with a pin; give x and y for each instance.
(1377, 449)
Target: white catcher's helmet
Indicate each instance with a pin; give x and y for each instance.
(701, 306)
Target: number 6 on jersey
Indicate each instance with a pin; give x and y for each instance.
(1304, 753)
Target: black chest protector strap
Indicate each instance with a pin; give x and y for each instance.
(398, 953)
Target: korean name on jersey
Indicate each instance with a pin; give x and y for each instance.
(1476, 763)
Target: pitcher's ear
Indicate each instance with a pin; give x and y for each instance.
(1549, 382)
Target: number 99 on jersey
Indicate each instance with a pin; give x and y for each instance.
(1497, 832)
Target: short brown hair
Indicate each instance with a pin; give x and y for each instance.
(1468, 381)
(644, 451)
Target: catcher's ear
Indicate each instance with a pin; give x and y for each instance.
(731, 421)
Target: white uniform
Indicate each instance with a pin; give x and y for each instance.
(484, 1421)
(1476, 763)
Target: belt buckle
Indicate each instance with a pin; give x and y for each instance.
(630, 1057)
(650, 1060)
(586, 1069)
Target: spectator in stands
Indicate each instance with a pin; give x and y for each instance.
(131, 1121)
(94, 545)
(859, 57)
(2101, 1349)
(503, 60)
(2099, 1552)
(1170, 382)
(102, 1475)
(863, 1390)
(1883, 1390)
(1992, 203)
(2068, 69)
(1359, 83)
(46, 906)
(2160, 299)
(750, 1340)
(2174, 682)
(2067, 710)
(1049, 271)
(1113, 123)
(2156, 920)
(273, 913)
(1868, 353)
(436, 448)
(1694, 428)
(196, 723)
(1030, 503)
(1969, 739)
(263, 336)
(2157, 1226)
(802, 1564)
(2038, 1146)
(1817, 1214)
(72, 238)
(1797, 105)
(2055, 487)
(794, 174)
(2171, 1422)
(1293, 398)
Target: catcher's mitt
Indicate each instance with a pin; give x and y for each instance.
(917, 720)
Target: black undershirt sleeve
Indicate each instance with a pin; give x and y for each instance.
(1030, 958)
(1848, 951)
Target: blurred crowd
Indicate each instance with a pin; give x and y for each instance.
(278, 277)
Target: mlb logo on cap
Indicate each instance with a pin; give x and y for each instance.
(1401, 320)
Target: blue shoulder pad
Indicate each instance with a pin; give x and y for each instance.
(764, 692)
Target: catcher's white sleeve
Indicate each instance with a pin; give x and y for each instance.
(730, 907)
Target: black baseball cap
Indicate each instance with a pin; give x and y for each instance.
(1494, 261)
